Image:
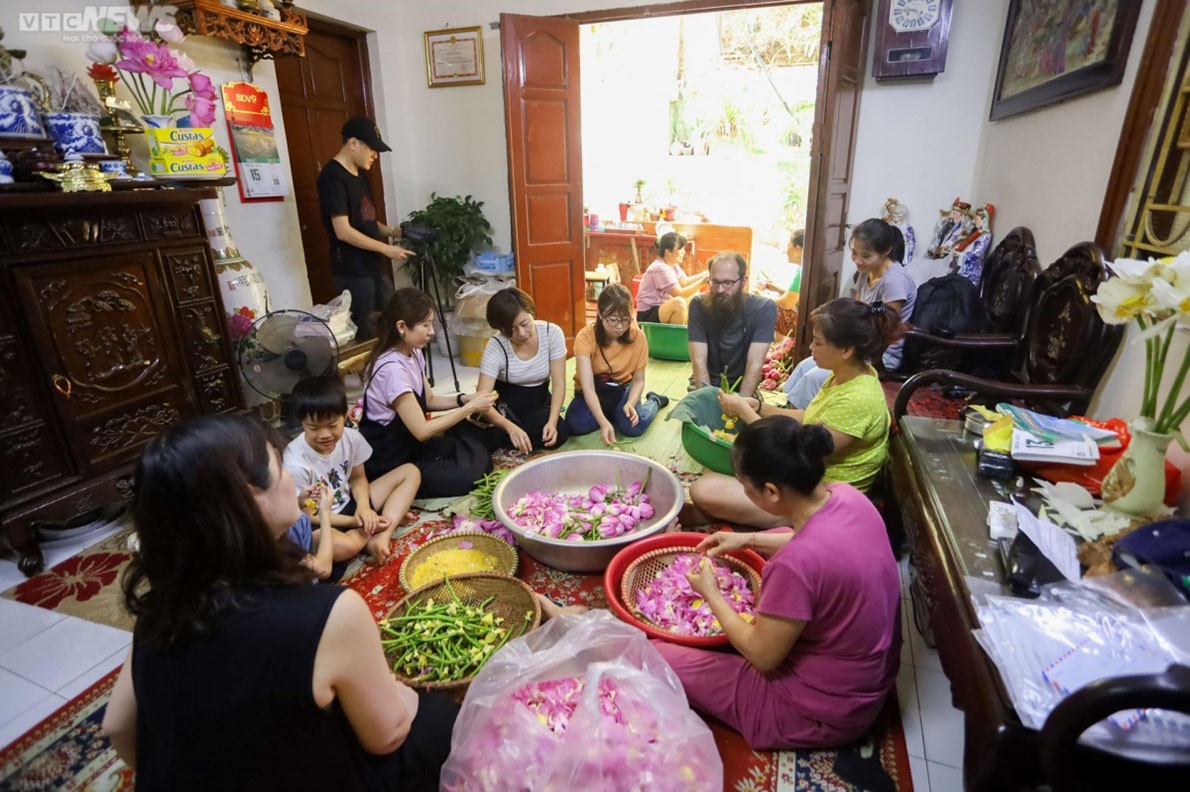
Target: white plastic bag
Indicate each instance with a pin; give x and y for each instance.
(631, 727)
(337, 315)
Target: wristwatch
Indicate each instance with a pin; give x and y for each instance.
(459, 399)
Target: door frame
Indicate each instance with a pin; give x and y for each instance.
(337, 28)
(813, 217)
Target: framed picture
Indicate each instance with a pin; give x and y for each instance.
(1057, 49)
(454, 57)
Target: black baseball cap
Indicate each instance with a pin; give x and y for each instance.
(364, 130)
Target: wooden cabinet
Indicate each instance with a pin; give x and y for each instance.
(111, 329)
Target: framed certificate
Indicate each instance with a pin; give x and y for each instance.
(454, 57)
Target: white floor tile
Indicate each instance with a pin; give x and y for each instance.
(65, 651)
(923, 656)
(944, 778)
(10, 731)
(919, 769)
(942, 724)
(92, 675)
(906, 641)
(22, 622)
(910, 712)
(10, 574)
(17, 695)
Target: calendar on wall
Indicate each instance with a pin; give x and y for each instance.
(254, 146)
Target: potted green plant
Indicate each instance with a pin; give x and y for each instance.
(461, 229)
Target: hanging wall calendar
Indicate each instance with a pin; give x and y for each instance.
(254, 148)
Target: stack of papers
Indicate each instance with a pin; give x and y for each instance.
(1028, 447)
(1047, 427)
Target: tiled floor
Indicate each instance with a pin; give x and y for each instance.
(47, 658)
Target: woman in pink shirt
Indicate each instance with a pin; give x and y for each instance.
(814, 667)
(665, 289)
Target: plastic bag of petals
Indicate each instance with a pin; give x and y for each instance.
(585, 702)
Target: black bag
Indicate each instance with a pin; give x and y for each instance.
(946, 306)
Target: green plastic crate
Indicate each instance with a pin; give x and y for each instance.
(709, 451)
(666, 341)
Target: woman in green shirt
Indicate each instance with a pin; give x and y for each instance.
(847, 335)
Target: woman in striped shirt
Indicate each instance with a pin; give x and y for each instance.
(526, 364)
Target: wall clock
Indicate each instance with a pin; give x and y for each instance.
(911, 38)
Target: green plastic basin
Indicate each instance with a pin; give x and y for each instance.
(666, 341)
(709, 451)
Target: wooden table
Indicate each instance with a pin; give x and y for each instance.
(944, 505)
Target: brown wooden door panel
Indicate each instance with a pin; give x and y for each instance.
(840, 71)
(105, 338)
(541, 111)
(318, 93)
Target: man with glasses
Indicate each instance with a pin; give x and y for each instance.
(730, 329)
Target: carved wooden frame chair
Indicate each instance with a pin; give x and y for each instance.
(1072, 767)
(1005, 286)
(1063, 352)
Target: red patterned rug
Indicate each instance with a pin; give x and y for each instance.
(66, 751)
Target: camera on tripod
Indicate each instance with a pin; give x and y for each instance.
(418, 234)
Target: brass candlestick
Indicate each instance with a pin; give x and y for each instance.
(111, 105)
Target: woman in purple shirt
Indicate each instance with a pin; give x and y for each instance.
(814, 667)
(665, 289)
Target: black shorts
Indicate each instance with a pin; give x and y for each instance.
(347, 511)
(651, 315)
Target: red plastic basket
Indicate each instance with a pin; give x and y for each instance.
(613, 579)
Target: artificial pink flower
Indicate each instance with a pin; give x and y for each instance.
(169, 32)
(155, 60)
(201, 84)
(202, 109)
(104, 52)
(186, 62)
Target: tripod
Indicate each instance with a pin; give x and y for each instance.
(425, 264)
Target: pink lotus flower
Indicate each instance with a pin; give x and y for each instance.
(104, 52)
(169, 32)
(155, 60)
(202, 109)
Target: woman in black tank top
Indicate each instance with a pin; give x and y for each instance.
(243, 675)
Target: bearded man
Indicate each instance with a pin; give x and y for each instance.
(730, 329)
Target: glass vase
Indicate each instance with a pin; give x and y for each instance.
(1136, 482)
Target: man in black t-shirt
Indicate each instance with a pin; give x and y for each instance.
(359, 241)
(730, 328)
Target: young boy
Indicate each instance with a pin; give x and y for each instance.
(330, 456)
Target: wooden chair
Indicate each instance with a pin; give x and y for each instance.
(1072, 767)
(1063, 353)
(1004, 289)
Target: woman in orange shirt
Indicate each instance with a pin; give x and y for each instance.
(610, 357)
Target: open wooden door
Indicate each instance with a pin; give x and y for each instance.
(318, 93)
(840, 72)
(545, 181)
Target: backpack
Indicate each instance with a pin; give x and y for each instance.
(946, 306)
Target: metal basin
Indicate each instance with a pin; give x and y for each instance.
(577, 471)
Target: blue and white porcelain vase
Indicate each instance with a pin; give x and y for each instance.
(18, 113)
(158, 121)
(5, 169)
(75, 133)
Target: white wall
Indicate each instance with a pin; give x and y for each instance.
(919, 141)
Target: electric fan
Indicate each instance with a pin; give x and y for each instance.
(283, 348)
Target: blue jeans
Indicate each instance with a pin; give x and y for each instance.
(804, 382)
(581, 421)
(369, 294)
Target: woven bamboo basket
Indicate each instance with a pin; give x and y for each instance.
(644, 570)
(513, 600)
(504, 554)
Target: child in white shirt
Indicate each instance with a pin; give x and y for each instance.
(330, 456)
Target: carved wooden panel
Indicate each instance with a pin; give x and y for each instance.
(129, 429)
(202, 327)
(216, 394)
(190, 274)
(101, 329)
(30, 457)
(39, 233)
(171, 222)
